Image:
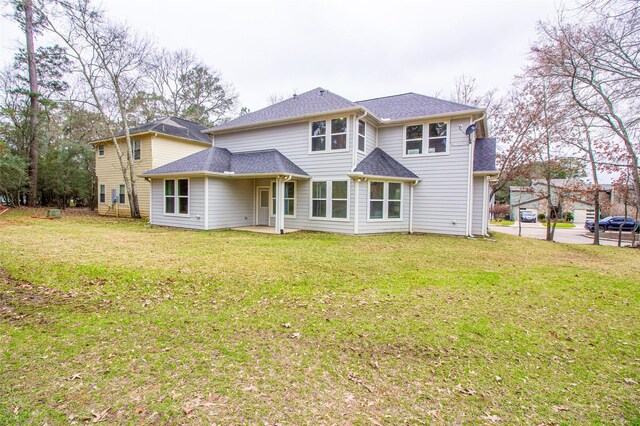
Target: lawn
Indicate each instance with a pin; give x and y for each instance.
(560, 224)
(501, 222)
(114, 320)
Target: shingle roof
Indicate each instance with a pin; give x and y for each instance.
(410, 105)
(379, 163)
(221, 160)
(173, 126)
(314, 101)
(484, 155)
(319, 101)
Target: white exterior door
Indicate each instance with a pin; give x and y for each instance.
(262, 214)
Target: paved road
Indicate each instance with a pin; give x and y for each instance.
(575, 235)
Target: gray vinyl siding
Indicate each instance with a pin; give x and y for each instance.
(478, 206)
(293, 141)
(441, 197)
(381, 226)
(369, 141)
(231, 203)
(194, 220)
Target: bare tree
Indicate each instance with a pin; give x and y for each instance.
(181, 85)
(598, 61)
(109, 59)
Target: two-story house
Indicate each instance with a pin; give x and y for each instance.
(317, 161)
(153, 145)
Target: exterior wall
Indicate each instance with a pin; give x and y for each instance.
(196, 217)
(154, 152)
(366, 226)
(166, 150)
(109, 174)
(478, 209)
(231, 203)
(440, 199)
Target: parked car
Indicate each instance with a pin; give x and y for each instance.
(527, 216)
(612, 223)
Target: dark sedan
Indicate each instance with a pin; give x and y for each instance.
(613, 223)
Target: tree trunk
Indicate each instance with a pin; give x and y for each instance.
(33, 98)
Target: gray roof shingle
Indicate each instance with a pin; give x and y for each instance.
(411, 105)
(484, 155)
(314, 101)
(221, 160)
(172, 126)
(379, 163)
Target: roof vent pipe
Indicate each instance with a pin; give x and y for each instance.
(295, 96)
(321, 92)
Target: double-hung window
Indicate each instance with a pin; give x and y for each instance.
(362, 128)
(176, 196)
(135, 149)
(122, 194)
(329, 135)
(436, 140)
(289, 198)
(385, 201)
(330, 199)
(101, 150)
(102, 194)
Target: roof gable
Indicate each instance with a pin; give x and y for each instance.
(379, 163)
(411, 105)
(172, 126)
(316, 101)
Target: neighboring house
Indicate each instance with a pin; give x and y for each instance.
(154, 144)
(318, 161)
(533, 199)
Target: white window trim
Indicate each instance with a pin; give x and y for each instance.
(385, 202)
(101, 146)
(329, 199)
(363, 135)
(328, 136)
(272, 196)
(425, 139)
(102, 186)
(175, 203)
(133, 145)
(124, 194)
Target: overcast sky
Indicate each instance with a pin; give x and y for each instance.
(358, 49)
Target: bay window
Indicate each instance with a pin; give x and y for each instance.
(385, 201)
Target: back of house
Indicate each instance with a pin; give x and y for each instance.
(318, 161)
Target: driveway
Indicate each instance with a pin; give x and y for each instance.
(577, 235)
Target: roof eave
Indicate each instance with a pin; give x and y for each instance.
(149, 132)
(223, 175)
(486, 173)
(270, 123)
(361, 175)
(452, 114)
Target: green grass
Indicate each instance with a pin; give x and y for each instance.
(560, 224)
(112, 319)
(501, 222)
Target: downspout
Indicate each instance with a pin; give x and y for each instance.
(470, 186)
(411, 206)
(206, 203)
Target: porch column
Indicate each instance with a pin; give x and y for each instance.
(279, 205)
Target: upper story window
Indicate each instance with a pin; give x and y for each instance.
(102, 194)
(437, 139)
(135, 149)
(101, 150)
(362, 128)
(329, 135)
(121, 195)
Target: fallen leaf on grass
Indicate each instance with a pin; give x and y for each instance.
(75, 376)
(100, 417)
(139, 410)
(287, 325)
(296, 335)
(491, 417)
(249, 388)
(560, 408)
(630, 381)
